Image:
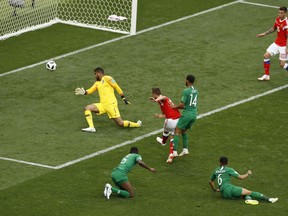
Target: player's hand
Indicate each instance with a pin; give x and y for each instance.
(217, 190)
(125, 100)
(260, 35)
(152, 99)
(249, 172)
(153, 170)
(80, 91)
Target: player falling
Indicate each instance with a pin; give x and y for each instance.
(171, 118)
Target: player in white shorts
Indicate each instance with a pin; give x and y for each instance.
(280, 44)
(171, 118)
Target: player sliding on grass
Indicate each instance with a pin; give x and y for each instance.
(108, 102)
(280, 45)
(172, 116)
(222, 175)
(119, 175)
(189, 104)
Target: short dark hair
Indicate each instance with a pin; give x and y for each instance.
(134, 150)
(283, 8)
(99, 69)
(156, 91)
(190, 78)
(223, 160)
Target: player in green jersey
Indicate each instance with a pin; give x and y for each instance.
(189, 104)
(119, 175)
(222, 174)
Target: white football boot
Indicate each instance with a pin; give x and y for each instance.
(92, 130)
(273, 200)
(159, 140)
(264, 78)
(107, 190)
(184, 152)
(139, 122)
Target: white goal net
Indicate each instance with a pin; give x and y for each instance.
(19, 16)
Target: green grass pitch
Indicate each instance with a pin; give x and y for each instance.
(41, 118)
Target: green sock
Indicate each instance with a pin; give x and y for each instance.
(175, 142)
(122, 193)
(248, 197)
(185, 140)
(258, 195)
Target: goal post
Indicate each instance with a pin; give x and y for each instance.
(19, 16)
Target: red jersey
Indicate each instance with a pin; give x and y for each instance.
(167, 110)
(282, 31)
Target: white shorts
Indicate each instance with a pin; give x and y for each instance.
(170, 125)
(274, 49)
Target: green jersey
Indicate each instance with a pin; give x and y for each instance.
(128, 162)
(189, 98)
(223, 175)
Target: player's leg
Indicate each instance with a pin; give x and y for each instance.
(283, 57)
(187, 124)
(114, 114)
(127, 123)
(89, 118)
(168, 128)
(121, 180)
(257, 195)
(177, 133)
(271, 51)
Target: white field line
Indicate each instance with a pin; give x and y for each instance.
(69, 163)
(119, 38)
(258, 4)
(28, 163)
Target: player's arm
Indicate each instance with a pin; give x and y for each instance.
(160, 98)
(212, 185)
(142, 164)
(269, 31)
(113, 83)
(244, 176)
(82, 91)
(160, 115)
(181, 105)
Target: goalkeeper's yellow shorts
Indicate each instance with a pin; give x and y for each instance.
(111, 110)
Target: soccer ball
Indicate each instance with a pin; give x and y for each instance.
(51, 65)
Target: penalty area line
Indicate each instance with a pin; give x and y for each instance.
(27, 162)
(69, 163)
(160, 130)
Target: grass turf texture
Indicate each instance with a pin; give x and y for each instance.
(240, 133)
(41, 119)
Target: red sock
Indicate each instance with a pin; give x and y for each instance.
(164, 139)
(171, 147)
(267, 66)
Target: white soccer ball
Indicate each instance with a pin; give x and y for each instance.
(51, 65)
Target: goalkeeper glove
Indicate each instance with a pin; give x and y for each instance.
(80, 91)
(125, 100)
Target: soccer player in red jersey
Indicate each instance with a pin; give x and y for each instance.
(171, 118)
(279, 46)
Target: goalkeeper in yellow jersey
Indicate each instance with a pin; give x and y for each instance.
(108, 102)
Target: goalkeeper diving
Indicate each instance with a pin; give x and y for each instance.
(108, 102)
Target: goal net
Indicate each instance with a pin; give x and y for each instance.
(19, 16)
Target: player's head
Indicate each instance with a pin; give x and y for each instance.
(190, 80)
(134, 150)
(156, 92)
(223, 161)
(99, 73)
(282, 12)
